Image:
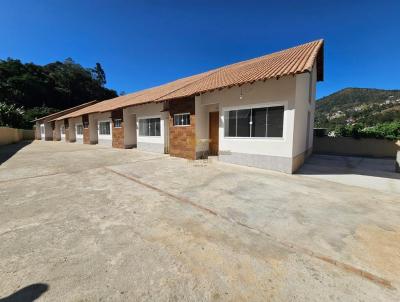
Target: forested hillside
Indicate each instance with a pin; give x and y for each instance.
(358, 105)
(360, 112)
(28, 91)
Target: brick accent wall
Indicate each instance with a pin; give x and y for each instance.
(86, 130)
(117, 133)
(182, 139)
(66, 127)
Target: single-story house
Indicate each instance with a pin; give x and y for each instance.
(45, 128)
(258, 112)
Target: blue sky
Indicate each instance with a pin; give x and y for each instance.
(145, 43)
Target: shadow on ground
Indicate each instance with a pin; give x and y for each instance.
(319, 164)
(27, 294)
(7, 151)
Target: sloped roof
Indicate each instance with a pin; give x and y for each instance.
(291, 61)
(50, 117)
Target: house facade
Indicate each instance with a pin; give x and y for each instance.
(46, 128)
(257, 113)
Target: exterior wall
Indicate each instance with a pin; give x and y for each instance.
(12, 135)
(182, 139)
(94, 119)
(56, 130)
(148, 143)
(93, 135)
(48, 131)
(305, 104)
(202, 126)
(268, 153)
(371, 147)
(130, 135)
(73, 137)
(37, 131)
(117, 133)
(86, 130)
(67, 131)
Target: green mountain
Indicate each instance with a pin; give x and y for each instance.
(364, 106)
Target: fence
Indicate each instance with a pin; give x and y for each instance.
(372, 147)
(12, 135)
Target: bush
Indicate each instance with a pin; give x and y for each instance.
(384, 130)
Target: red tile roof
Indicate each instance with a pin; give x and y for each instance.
(52, 116)
(291, 61)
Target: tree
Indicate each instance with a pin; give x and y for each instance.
(11, 115)
(57, 85)
(99, 74)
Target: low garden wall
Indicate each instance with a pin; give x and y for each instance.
(12, 135)
(358, 147)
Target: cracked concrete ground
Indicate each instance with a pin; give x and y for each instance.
(100, 224)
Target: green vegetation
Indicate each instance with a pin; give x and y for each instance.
(29, 91)
(360, 112)
(390, 130)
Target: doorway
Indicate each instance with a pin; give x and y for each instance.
(213, 133)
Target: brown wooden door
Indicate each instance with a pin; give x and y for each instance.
(213, 133)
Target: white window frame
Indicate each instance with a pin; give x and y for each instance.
(149, 117)
(118, 119)
(76, 130)
(104, 136)
(255, 106)
(183, 113)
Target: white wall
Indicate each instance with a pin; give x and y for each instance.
(130, 135)
(48, 131)
(72, 129)
(202, 113)
(57, 133)
(305, 102)
(149, 111)
(94, 119)
(93, 129)
(270, 92)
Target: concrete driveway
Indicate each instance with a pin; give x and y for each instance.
(91, 223)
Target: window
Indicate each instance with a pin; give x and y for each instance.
(117, 123)
(182, 119)
(104, 128)
(62, 130)
(85, 124)
(149, 127)
(254, 122)
(79, 129)
(42, 129)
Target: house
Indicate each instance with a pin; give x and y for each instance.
(259, 113)
(45, 128)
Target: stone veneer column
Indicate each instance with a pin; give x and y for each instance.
(182, 140)
(117, 133)
(86, 130)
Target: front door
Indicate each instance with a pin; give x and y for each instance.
(213, 133)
